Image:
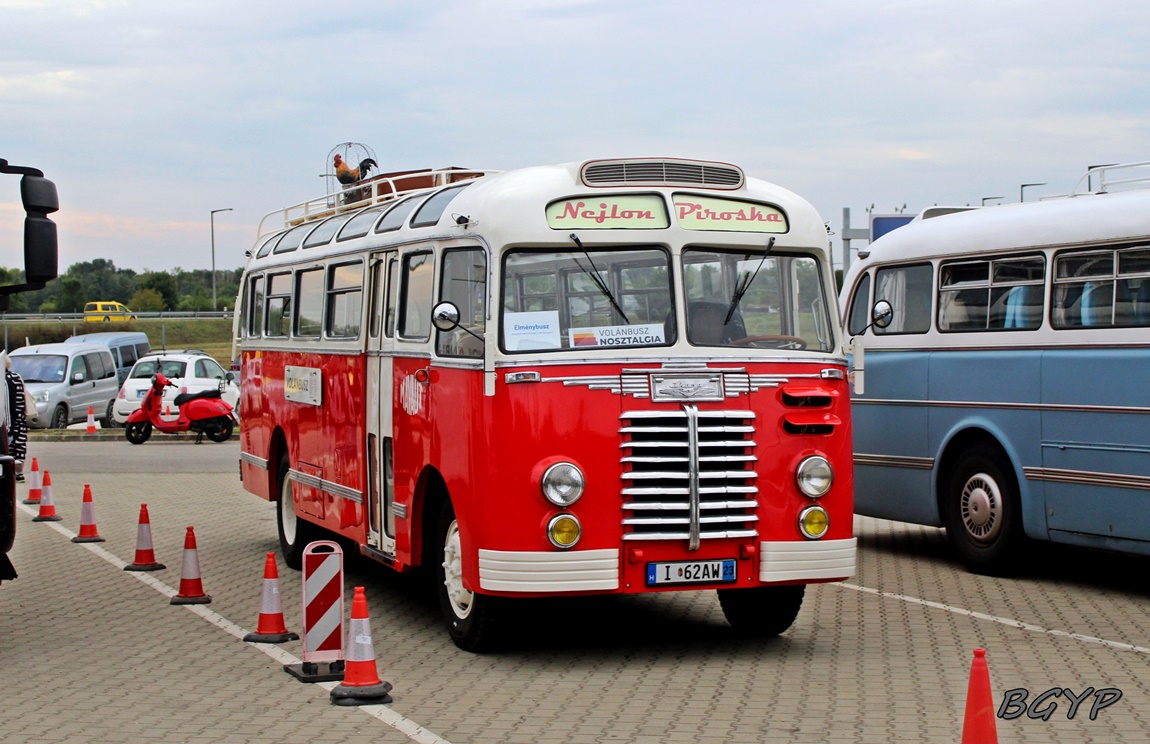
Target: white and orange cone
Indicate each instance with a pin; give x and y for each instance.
(35, 484)
(91, 421)
(47, 506)
(271, 627)
(361, 683)
(88, 531)
(145, 555)
(191, 588)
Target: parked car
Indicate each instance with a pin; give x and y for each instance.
(126, 347)
(65, 379)
(103, 312)
(191, 370)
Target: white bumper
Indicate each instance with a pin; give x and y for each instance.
(574, 571)
(804, 561)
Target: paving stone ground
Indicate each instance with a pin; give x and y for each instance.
(92, 653)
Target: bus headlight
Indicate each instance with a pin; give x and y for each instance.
(562, 484)
(814, 476)
(814, 522)
(564, 530)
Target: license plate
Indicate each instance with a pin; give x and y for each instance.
(691, 572)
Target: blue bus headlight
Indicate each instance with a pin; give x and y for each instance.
(562, 484)
(814, 476)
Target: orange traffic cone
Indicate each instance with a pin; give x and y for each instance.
(35, 487)
(191, 588)
(88, 532)
(145, 555)
(361, 683)
(91, 421)
(978, 725)
(271, 627)
(47, 507)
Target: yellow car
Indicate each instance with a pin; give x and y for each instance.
(103, 312)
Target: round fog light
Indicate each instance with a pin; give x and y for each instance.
(563, 530)
(814, 476)
(814, 522)
(562, 484)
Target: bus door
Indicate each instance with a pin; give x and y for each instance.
(382, 273)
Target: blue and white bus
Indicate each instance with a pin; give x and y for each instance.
(1007, 384)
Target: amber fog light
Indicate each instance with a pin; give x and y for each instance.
(564, 530)
(814, 522)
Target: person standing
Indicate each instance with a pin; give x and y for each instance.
(17, 438)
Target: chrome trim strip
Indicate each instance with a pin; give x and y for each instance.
(693, 474)
(399, 510)
(810, 559)
(568, 571)
(1059, 407)
(335, 489)
(894, 461)
(251, 459)
(1087, 478)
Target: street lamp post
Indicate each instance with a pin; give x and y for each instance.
(213, 221)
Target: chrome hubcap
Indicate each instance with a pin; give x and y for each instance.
(981, 506)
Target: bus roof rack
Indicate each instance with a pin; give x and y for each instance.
(375, 190)
(1113, 175)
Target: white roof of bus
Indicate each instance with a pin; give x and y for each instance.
(1066, 221)
(522, 196)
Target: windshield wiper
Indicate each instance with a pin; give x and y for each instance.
(744, 282)
(594, 274)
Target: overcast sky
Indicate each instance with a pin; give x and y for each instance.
(148, 115)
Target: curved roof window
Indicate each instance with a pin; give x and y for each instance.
(398, 215)
(434, 207)
(291, 239)
(266, 248)
(360, 225)
(326, 230)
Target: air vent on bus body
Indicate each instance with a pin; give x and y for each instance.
(689, 475)
(604, 173)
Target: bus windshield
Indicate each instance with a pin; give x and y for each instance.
(583, 300)
(759, 300)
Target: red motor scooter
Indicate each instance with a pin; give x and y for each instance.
(204, 412)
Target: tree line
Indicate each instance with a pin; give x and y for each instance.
(142, 292)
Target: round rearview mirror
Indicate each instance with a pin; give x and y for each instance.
(445, 316)
(882, 314)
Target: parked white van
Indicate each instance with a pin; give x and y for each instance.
(65, 379)
(126, 347)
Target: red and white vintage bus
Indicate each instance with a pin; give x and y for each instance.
(615, 376)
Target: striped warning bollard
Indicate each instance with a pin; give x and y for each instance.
(322, 614)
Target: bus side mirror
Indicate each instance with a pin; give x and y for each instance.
(40, 242)
(445, 316)
(881, 314)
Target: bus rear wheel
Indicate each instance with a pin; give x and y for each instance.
(471, 617)
(295, 533)
(762, 611)
(982, 512)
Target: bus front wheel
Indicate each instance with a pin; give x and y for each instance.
(295, 533)
(981, 511)
(470, 617)
(762, 611)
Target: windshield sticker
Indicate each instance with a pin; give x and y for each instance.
(628, 211)
(625, 335)
(534, 330)
(707, 213)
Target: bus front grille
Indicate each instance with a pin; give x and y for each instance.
(688, 475)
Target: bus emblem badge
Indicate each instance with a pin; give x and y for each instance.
(411, 395)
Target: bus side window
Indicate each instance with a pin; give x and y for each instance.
(415, 304)
(860, 307)
(909, 290)
(278, 305)
(392, 280)
(464, 283)
(344, 300)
